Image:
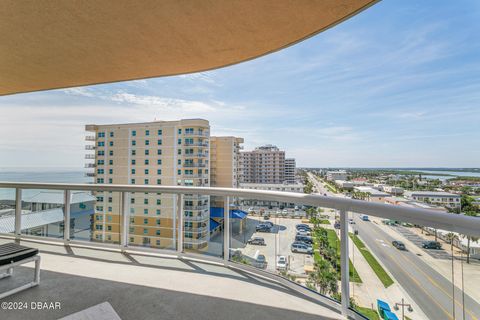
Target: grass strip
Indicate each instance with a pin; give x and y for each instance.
(369, 313)
(374, 264)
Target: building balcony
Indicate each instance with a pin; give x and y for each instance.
(195, 144)
(89, 138)
(90, 174)
(90, 165)
(89, 147)
(197, 207)
(194, 165)
(197, 134)
(195, 155)
(89, 156)
(222, 252)
(194, 176)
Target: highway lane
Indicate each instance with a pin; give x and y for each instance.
(432, 292)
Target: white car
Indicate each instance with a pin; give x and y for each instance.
(250, 209)
(303, 232)
(278, 212)
(285, 211)
(282, 263)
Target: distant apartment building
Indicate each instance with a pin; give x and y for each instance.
(266, 164)
(336, 175)
(152, 153)
(393, 190)
(442, 198)
(290, 170)
(345, 185)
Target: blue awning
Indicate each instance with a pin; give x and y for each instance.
(383, 305)
(217, 212)
(213, 224)
(390, 316)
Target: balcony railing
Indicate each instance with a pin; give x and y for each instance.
(89, 138)
(465, 225)
(195, 144)
(89, 156)
(197, 133)
(196, 218)
(196, 207)
(90, 174)
(89, 147)
(195, 155)
(90, 165)
(194, 165)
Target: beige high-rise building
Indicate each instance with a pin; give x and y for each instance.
(265, 164)
(152, 153)
(224, 164)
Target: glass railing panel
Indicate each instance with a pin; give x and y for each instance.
(103, 210)
(43, 213)
(7, 210)
(203, 225)
(152, 220)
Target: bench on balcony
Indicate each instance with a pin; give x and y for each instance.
(12, 255)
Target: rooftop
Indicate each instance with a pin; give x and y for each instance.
(432, 193)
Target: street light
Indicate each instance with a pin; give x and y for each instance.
(403, 305)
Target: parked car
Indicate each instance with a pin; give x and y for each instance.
(296, 208)
(336, 225)
(258, 241)
(262, 228)
(284, 211)
(266, 217)
(303, 226)
(351, 221)
(268, 223)
(303, 232)
(305, 239)
(399, 245)
(251, 209)
(282, 263)
(432, 245)
(301, 247)
(365, 217)
(278, 212)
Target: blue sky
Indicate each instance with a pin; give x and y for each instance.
(396, 86)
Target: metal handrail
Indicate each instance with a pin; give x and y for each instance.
(429, 218)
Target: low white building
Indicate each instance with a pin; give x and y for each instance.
(296, 188)
(374, 195)
(393, 190)
(336, 175)
(435, 197)
(346, 185)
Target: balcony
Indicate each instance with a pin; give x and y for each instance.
(89, 138)
(89, 147)
(90, 165)
(90, 174)
(116, 265)
(197, 133)
(195, 144)
(194, 165)
(195, 155)
(89, 156)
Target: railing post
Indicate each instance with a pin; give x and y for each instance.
(18, 213)
(66, 216)
(180, 215)
(125, 219)
(344, 260)
(226, 228)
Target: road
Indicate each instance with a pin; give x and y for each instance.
(432, 292)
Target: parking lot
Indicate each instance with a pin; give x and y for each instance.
(278, 243)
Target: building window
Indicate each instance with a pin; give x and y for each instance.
(146, 181)
(160, 132)
(159, 181)
(110, 171)
(109, 209)
(110, 162)
(179, 131)
(179, 141)
(133, 171)
(147, 132)
(159, 142)
(101, 143)
(145, 201)
(145, 231)
(132, 181)
(134, 133)
(133, 162)
(147, 142)
(159, 161)
(145, 211)
(110, 199)
(132, 200)
(159, 202)
(146, 171)
(179, 161)
(101, 134)
(159, 151)
(100, 171)
(146, 161)
(110, 152)
(158, 212)
(111, 143)
(179, 151)
(147, 152)
(145, 221)
(134, 143)
(101, 162)
(179, 172)
(157, 232)
(111, 134)
(158, 242)
(101, 153)
(110, 180)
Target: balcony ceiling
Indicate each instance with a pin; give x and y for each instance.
(57, 44)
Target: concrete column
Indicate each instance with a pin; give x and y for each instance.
(344, 262)
(226, 228)
(66, 216)
(18, 213)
